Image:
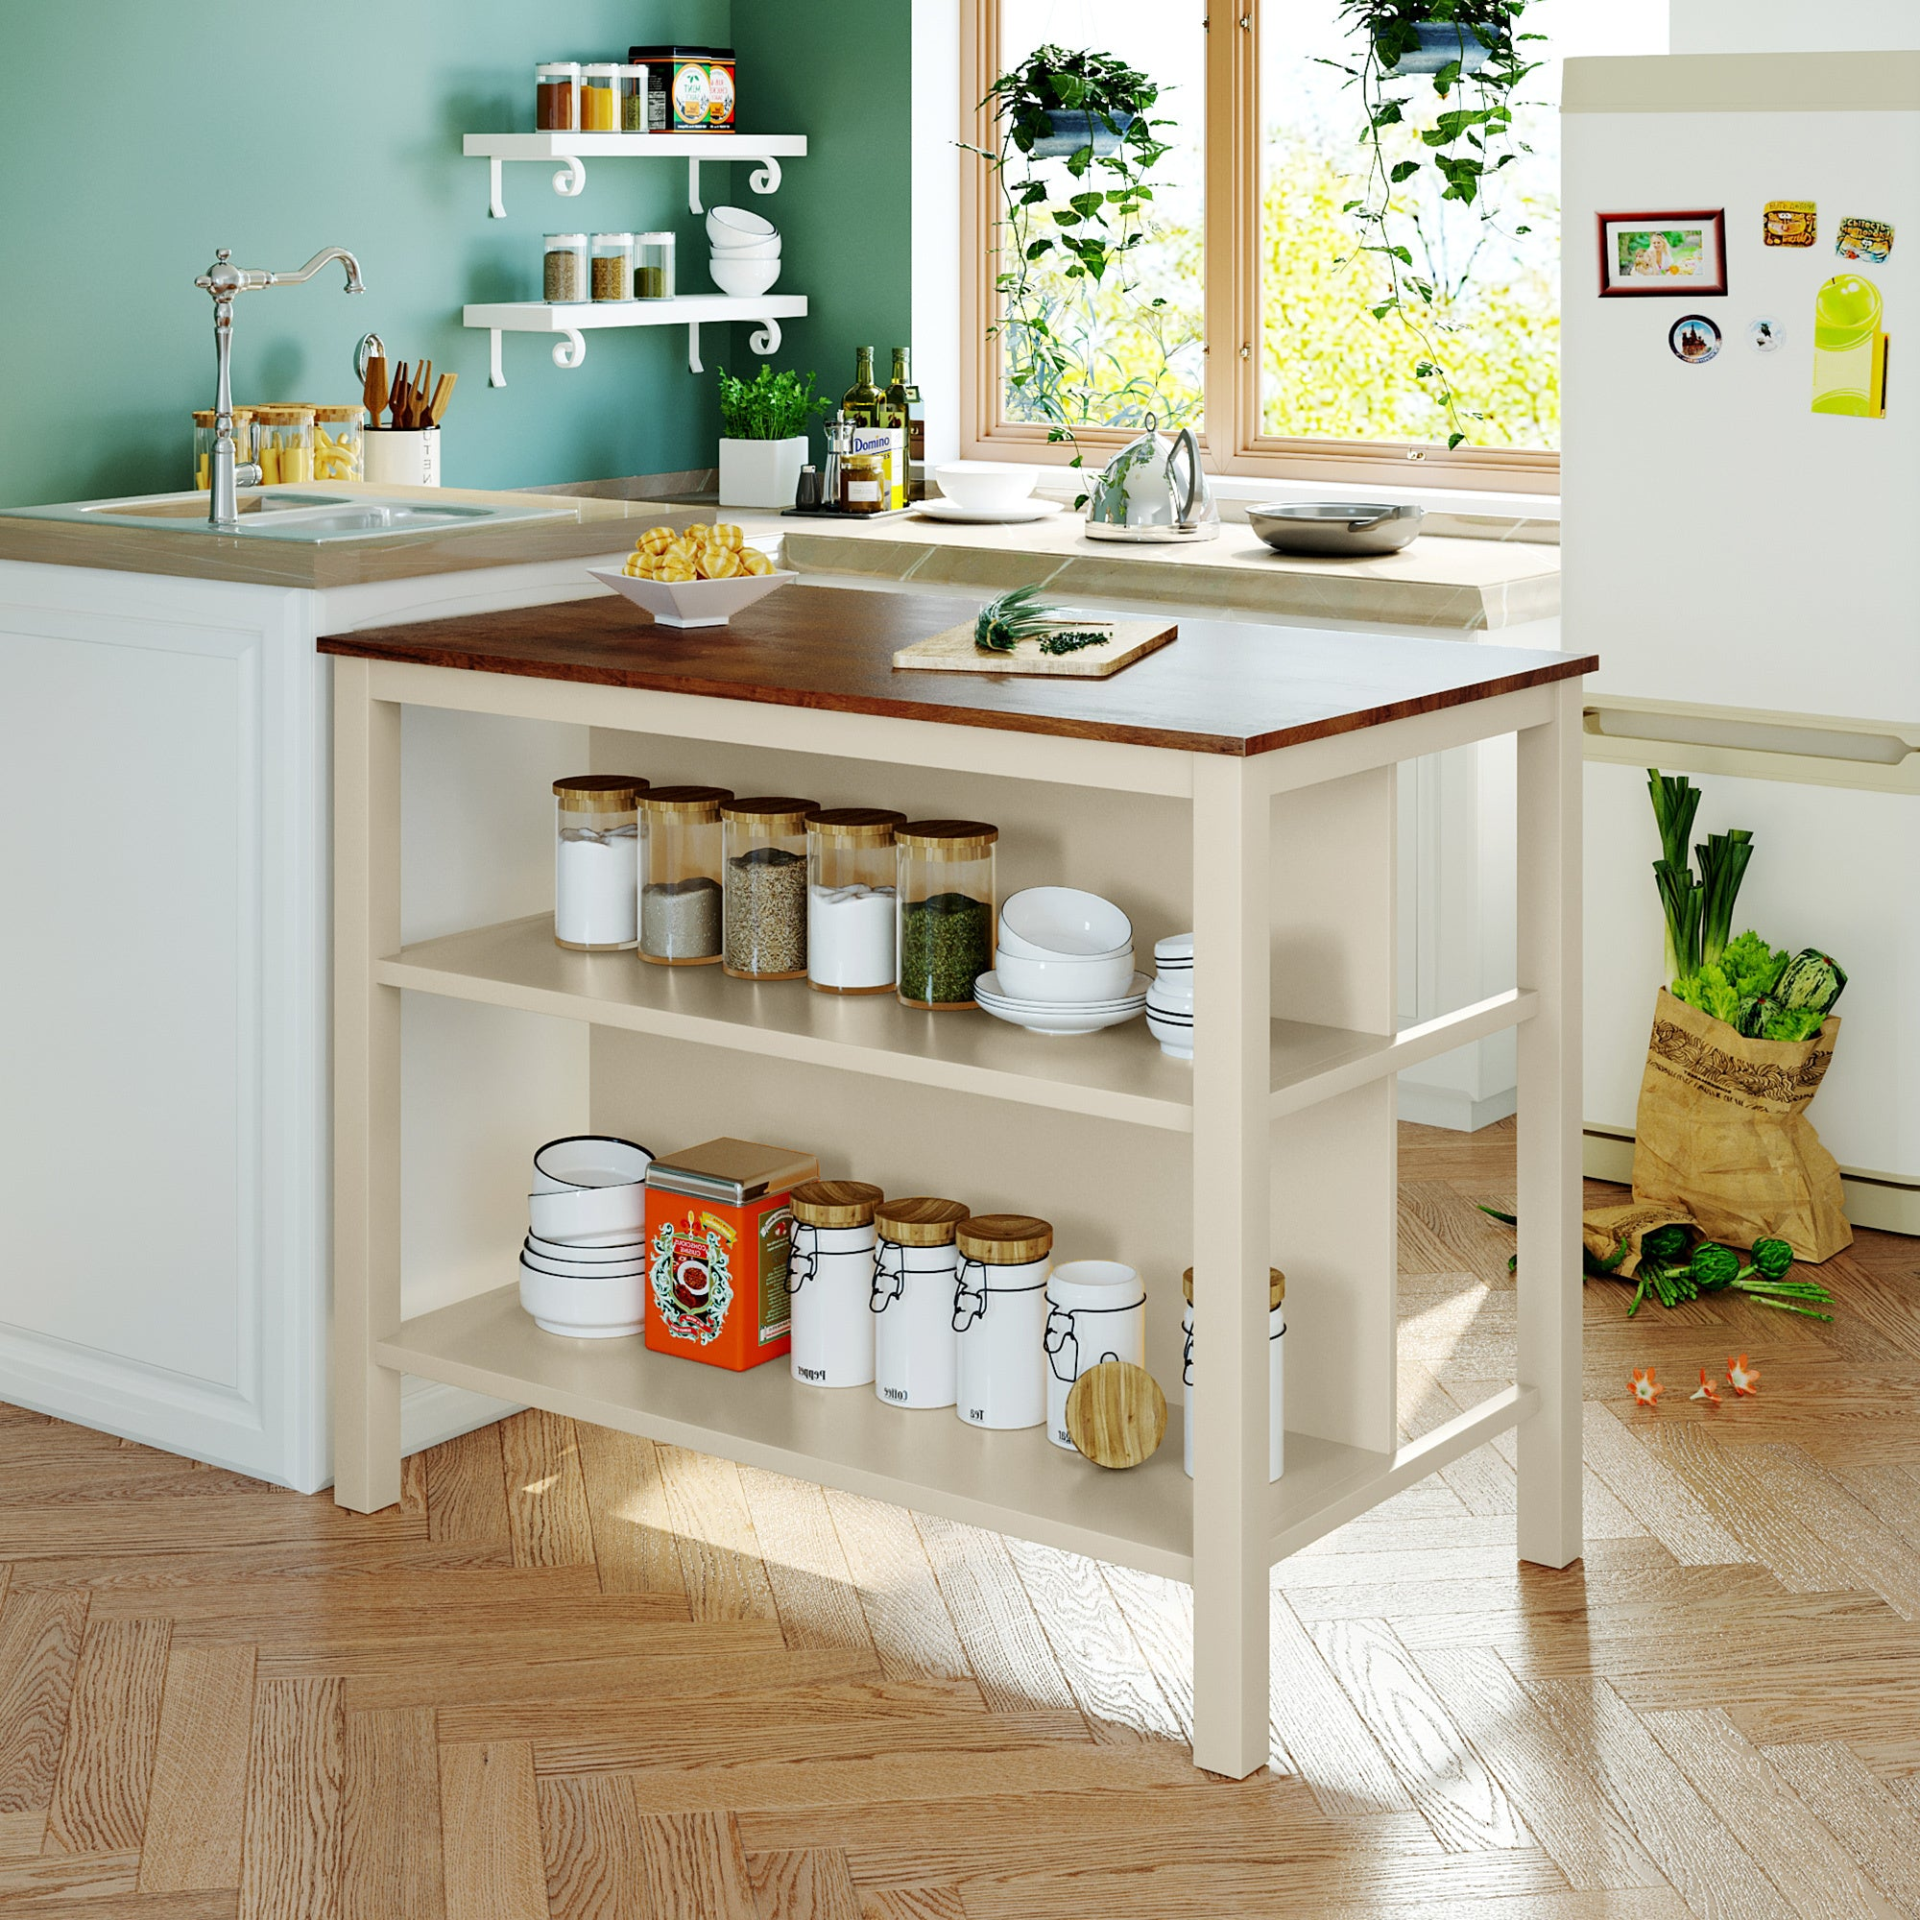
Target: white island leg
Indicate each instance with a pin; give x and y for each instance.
(1232, 1230)
(1548, 1203)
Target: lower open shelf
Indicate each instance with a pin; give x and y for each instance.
(1017, 1483)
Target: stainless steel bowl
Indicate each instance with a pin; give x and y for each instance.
(1340, 529)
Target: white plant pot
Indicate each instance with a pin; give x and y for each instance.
(403, 457)
(761, 473)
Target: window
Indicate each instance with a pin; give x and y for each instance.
(1247, 309)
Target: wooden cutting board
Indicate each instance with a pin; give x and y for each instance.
(953, 651)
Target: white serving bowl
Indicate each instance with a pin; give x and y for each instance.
(602, 1309)
(561, 1253)
(1174, 953)
(1175, 1039)
(1063, 923)
(590, 1216)
(741, 247)
(985, 485)
(1064, 982)
(1172, 991)
(589, 1160)
(694, 603)
(633, 1259)
(743, 279)
(737, 223)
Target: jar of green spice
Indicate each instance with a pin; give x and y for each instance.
(944, 886)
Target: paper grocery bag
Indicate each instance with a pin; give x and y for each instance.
(1723, 1132)
(1603, 1228)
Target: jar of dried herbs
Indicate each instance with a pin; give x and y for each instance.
(613, 266)
(944, 887)
(653, 266)
(680, 893)
(566, 268)
(765, 906)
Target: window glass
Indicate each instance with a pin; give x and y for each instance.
(1130, 344)
(1328, 366)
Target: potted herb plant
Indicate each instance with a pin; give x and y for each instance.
(763, 436)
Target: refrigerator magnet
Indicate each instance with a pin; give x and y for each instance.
(1868, 240)
(1664, 253)
(1849, 348)
(1763, 334)
(1694, 339)
(1789, 223)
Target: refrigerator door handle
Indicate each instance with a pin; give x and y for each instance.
(1754, 745)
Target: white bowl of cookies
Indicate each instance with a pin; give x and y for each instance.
(698, 576)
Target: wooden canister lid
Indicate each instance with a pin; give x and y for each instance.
(1116, 1414)
(599, 792)
(339, 413)
(701, 802)
(920, 1221)
(861, 826)
(1276, 1287)
(957, 839)
(1005, 1239)
(834, 1203)
(774, 811)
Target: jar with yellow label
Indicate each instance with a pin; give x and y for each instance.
(863, 483)
(284, 445)
(339, 451)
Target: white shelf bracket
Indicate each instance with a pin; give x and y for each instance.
(496, 206)
(571, 348)
(765, 178)
(571, 178)
(496, 371)
(693, 340)
(763, 340)
(693, 187)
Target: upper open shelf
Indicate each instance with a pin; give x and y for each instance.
(574, 149)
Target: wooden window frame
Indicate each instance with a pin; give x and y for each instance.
(1231, 313)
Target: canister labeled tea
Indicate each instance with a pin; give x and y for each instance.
(914, 1345)
(1096, 1310)
(830, 1282)
(1000, 1318)
(1276, 1370)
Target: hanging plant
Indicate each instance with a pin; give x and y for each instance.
(1092, 111)
(1472, 51)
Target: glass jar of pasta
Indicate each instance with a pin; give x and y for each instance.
(283, 445)
(339, 450)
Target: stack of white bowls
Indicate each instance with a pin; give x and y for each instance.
(583, 1269)
(1170, 998)
(746, 252)
(1063, 963)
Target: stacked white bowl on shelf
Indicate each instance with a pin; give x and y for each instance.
(1170, 998)
(746, 252)
(583, 1267)
(1063, 963)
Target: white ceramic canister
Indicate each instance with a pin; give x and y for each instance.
(1000, 1317)
(1096, 1310)
(830, 1282)
(404, 456)
(915, 1263)
(1276, 1371)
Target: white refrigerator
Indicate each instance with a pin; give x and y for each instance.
(1748, 569)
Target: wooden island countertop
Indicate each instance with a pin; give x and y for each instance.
(1223, 687)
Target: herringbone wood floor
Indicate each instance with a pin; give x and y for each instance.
(574, 1674)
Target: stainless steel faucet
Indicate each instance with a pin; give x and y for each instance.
(223, 281)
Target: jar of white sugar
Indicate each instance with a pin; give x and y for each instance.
(596, 861)
(850, 897)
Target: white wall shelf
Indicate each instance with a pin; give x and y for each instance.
(575, 319)
(573, 150)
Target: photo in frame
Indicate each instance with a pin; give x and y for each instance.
(1664, 253)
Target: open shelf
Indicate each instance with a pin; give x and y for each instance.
(1117, 1075)
(573, 320)
(573, 148)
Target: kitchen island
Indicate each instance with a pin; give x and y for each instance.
(1240, 782)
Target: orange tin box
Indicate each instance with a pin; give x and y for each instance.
(718, 1235)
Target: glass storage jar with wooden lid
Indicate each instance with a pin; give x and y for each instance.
(850, 895)
(206, 431)
(339, 446)
(600, 97)
(766, 888)
(283, 445)
(596, 861)
(682, 890)
(944, 877)
(556, 96)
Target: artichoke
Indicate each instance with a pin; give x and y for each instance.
(1663, 1245)
(1713, 1266)
(1771, 1259)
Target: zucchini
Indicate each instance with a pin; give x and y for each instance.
(1811, 979)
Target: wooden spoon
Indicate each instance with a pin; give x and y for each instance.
(375, 396)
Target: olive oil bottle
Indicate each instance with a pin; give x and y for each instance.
(864, 401)
(903, 405)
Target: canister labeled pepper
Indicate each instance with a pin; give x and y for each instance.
(1276, 1370)
(914, 1345)
(830, 1282)
(1000, 1319)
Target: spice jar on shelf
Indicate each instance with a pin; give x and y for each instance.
(915, 1348)
(830, 1282)
(283, 445)
(600, 98)
(596, 865)
(633, 100)
(863, 483)
(565, 277)
(556, 96)
(680, 900)
(1000, 1319)
(205, 431)
(850, 900)
(765, 908)
(946, 900)
(339, 450)
(653, 266)
(612, 267)
(1276, 1370)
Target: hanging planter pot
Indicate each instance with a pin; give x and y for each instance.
(1070, 130)
(1438, 44)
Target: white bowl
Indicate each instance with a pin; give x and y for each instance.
(633, 1260)
(590, 1216)
(589, 1160)
(1172, 991)
(605, 1309)
(1063, 923)
(743, 279)
(990, 990)
(1062, 982)
(561, 1253)
(737, 223)
(694, 603)
(983, 484)
(1176, 950)
(1175, 1040)
(743, 247)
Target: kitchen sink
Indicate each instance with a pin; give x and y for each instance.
(312, 517)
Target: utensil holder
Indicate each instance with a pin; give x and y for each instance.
(403, 456)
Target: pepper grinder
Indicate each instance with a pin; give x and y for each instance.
(839, 445)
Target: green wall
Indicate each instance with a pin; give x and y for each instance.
(136, 136)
